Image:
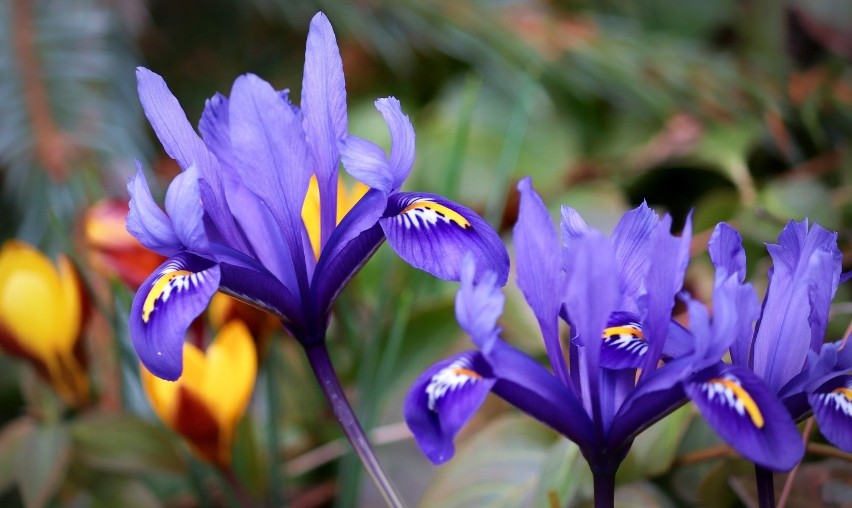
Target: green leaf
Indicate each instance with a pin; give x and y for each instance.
(12, 437)
(565, 476)
(116, 490)
(800, 198)
(499, 467)
(42, 463)
(654, 450)
(125, 443)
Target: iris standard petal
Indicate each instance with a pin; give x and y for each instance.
(726, 252)
(806, 268)
(832, 406)
(434, 234)
(572, 225)
(324, 107)
(270, 148)
(402, 139)
(479, 306)
(540, 275)
(443, 399)
(367, 163)
(630, 241)
(183, 204)
(164, 307)
(742, 410)
(147, 222)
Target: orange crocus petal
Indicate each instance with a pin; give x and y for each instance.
(211, 395)
(347, 196)
(41, 315)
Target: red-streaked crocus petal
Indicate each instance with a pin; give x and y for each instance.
(434, 234)
(443, 399)
(832, 406)
(743, 412)
(164, 307)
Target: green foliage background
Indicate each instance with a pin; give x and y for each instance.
(734, 110)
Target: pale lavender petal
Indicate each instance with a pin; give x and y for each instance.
(367, 163)
(479, 305)
(402, 139)
(147, 222)
(183, 204)
(540, 275)
(630, 240)
(164, 307)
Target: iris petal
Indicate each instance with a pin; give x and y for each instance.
(630, 241)
(146, 221)
(434, 234)
(740, 408)
(832, 405)
(164, 307)
(443, 399)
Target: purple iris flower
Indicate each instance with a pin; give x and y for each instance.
(617, 294)
(785, 347)
(232, 219)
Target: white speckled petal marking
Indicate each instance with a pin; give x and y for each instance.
(450, 378)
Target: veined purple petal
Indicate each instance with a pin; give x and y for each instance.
(443, 399)
(261, 289)
(573, 226)
(170, 124)
(630, 240)
(434, 234)
(726, 252)
(806, 269)
(164, 307)
(325, 120)
(479, 306)
(743, 411)
(655, 397)
(367, 163)
(540, 275)
(669, 256)
(216, 131)
(832, 405)
(147, 222)
(183, 204)
(269, 145)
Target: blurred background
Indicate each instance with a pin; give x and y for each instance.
(735, 110)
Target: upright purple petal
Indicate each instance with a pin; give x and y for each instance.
(669, 257)
(630, 240)
(832, 405)
(324, 107)
(434, 234)
(806, 269)
(746, 414)
(540, 275)
(164, 307)
(591, 297)
(183, 204)
(367, 163)
(273, 160)
(402, 139)
(726, 252)
(443, 399)
(147, 222)
(169, 121)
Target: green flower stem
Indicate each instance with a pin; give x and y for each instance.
(324, 372)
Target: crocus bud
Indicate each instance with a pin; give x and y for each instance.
(113, 251)
(206, 402)
(42, 313)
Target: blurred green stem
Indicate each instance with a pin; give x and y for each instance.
(237, 489)
(472, 86)
(323, 370)
(272, 437)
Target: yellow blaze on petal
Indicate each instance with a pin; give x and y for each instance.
(41, 308)
(221, 378)
(442, 211)
(622, 330)
(743, 396)
(846, 392)
(467, 372)
(157, 291)
(346, 199)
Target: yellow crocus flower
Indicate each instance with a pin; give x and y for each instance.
(347, 196)
(206, 402)
(42, 312)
